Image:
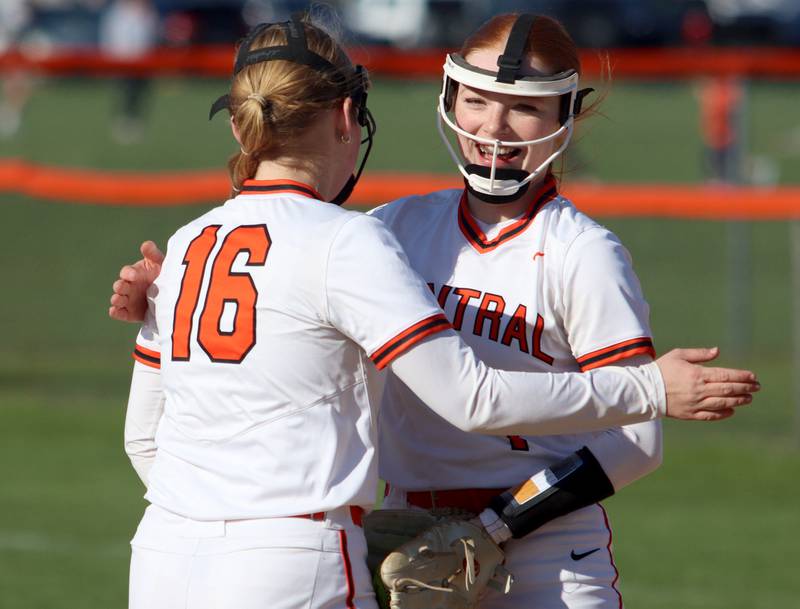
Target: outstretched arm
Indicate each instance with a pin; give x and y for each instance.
(448, 377)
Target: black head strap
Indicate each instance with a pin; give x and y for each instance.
(295, 50)
(510, 62)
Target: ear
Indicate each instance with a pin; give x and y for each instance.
(344, 119)
(235, 131)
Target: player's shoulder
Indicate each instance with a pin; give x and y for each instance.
(192, 228)
(571, 228)
(411, 208)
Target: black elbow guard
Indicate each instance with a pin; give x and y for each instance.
(571, 484)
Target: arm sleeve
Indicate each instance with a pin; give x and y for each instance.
(631, 452)
(606, 319)
(445, 374)
(146, 398)
(145, 407)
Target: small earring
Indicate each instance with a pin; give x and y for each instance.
(345, 139)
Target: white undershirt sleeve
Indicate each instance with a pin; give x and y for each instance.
(445, 374)
(145, 407)
(630, 452)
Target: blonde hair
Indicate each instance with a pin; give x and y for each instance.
(274, 102)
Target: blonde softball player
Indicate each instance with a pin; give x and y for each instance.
(254, 398)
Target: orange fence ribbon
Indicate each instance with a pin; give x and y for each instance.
(700, 202)
(217, 60)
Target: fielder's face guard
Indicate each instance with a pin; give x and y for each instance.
(353, 85)
(503, 185)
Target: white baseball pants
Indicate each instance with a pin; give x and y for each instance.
(270, 563)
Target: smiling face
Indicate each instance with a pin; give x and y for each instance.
(498, 116)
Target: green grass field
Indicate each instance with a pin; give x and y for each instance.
(717, 527)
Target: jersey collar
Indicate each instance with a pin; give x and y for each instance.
(476, 237)
(273, 187)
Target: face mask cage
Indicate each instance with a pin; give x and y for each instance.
(491, 184)
(353, 85)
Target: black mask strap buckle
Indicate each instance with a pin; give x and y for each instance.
(510, 62)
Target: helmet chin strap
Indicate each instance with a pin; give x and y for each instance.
(367, 121)
(511, 181)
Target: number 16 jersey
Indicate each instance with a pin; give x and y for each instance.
(268, 311)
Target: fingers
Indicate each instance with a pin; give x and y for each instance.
(122, 287)
(729, 389)
(129, 273)
(118, 313)
(695, 355)
(717, 415)
(119, 300)
(727, 375)
(151, 252)
(719, 404)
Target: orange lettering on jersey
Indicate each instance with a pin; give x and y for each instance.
(195, 262)
(537, 342)
(516, 329)
(237, 289)
(443, 294)
(494, 315)
(492, 309)
(465, 295)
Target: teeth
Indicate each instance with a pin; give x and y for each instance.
(500, 149)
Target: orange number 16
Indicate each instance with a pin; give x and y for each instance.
(225, 287)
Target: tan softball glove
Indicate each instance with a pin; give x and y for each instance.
(447, 566)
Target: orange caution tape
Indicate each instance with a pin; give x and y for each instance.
(217, 60)
(184, 188)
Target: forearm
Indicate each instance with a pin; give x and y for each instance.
(479, 398)
(145, 407)
(631, 452)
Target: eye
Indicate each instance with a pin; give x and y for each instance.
(527, 108)
(474, 101)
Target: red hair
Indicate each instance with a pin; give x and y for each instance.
(548, 40)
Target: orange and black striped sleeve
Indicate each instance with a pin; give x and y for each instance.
(146, 356)
(616, 352)
(384, 355)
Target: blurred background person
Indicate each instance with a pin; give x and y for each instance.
(15, 16)
(128, 31)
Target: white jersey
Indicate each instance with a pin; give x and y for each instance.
(262, 332)
(550, 291)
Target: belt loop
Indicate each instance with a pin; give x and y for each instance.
(433, 500)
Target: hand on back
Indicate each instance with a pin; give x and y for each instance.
(129, 300)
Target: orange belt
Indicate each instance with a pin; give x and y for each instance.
(471, 499)
(356, 514)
